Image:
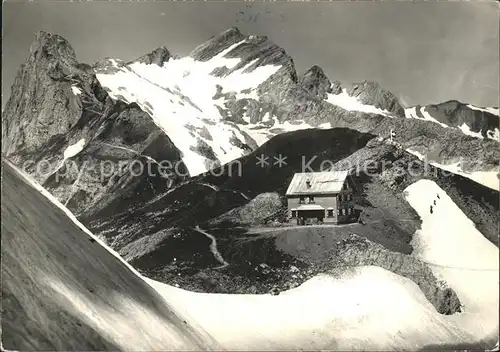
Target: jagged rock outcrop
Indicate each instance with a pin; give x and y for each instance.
(128, 157)
(157, 57)
(371, 93)
(264, 207)
(336, 87)
(253, 51)
(316, 82)
(51, 95)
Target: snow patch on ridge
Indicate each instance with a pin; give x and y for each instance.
(428, 117)
(494, 134)
(486, 178)
(466, 130)
(76, 90)
(494, 111)
(369, 308)
(262, 133)
(411, 113)
(74, 149)
(349, 103)
(70, 152)
(459, 254)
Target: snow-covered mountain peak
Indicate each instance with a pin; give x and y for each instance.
(253, 52)
(181, 95)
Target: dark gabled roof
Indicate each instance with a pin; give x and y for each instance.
(327, 182)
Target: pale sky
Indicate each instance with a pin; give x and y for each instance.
(422, 52)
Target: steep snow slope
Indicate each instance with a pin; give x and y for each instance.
(63, 290)
(461, 254)
(179, 97)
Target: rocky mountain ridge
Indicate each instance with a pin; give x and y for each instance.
(280, 100)
(224, 119)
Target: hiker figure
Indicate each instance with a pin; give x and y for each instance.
(438, 196)
(431, 209)
(434, 202)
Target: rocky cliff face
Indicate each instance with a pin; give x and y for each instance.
(52, 94)
(61, 126)
(371, 93)
(128, 156)
(316, 82)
